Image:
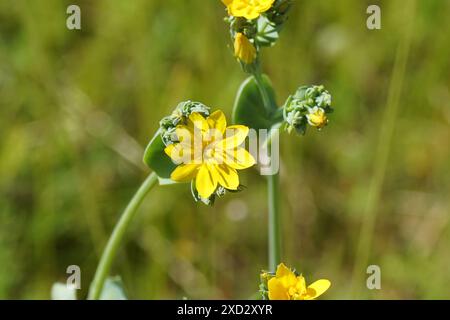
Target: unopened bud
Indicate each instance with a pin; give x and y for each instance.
(308, 106)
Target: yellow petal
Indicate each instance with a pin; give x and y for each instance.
(191, 143)
(217, 120)
(244, 49)
(234, 137)
(286, 277)
(227, 177)
(300, 286)
(217, 123)
(318, 118)
(239, 158)
(169, 150)
(265, 5)
(184, 173)
(238, 9)
(283, 271)
(173, 152)
(249, 10)
(184, 134)
(198, 121)
(205, 182)
(317, 288)
(178, 154)
(276, 290)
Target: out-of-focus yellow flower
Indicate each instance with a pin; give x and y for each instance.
(317, 118)
(209, 152)
(287, 286)
(244, 49)
(249, 9)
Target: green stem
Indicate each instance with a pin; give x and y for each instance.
(273, 187)
(262, 90)
(273, 197)
(117, 236)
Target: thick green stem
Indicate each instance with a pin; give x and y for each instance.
(262, 90)
(273, 188)
(117, 236)
(273, 197)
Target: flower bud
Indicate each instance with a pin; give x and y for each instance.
(169, 136)
(179, 115)
(188, 107)
(244, 50)
(317, 118)
(308, 106)
(295, 120)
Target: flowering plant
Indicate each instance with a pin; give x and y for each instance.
(195, 145)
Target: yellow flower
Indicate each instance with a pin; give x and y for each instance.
(249, 9)
(287, 286)
(209, 152)
(317, 118)
(244, 49)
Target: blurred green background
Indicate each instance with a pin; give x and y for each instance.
(78, 107)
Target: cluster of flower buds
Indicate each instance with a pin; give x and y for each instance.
(308, 106)
(255, 24)
(178, 117)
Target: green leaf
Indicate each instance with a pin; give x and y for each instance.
(267, 33)
(249, 106)
(61, 291)
(113, 289)
(157, 160)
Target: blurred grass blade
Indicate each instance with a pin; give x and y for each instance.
(382, 154)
